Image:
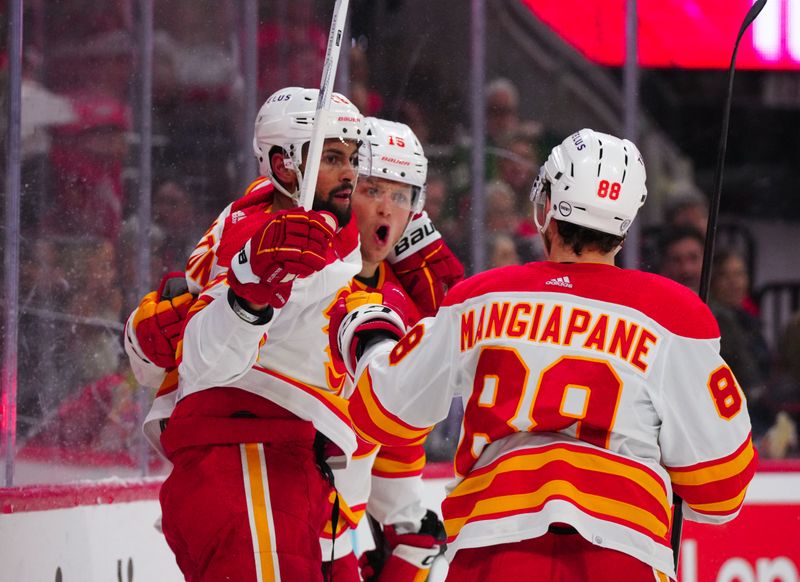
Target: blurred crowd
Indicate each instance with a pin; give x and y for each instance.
(81, 235)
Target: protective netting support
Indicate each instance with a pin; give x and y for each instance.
(8, 419)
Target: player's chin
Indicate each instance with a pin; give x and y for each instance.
(343, 212)
(371, 253)
(340, 207)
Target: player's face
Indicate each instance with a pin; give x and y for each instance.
(382, 208)
(338, 169)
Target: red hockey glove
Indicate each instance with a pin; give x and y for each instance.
(364, 316)
(425, 265)
(160, 318)
(412, 553)
(292, 243)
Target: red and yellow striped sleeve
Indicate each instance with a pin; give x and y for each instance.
(718, 487)
(398, 462)
(376, 424)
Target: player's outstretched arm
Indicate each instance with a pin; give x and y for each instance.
(402, 386)
(222, 337)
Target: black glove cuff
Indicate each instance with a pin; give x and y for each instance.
(367, 338)
(248, 314)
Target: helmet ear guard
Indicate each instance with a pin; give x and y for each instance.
(539, 193)
(594, 180)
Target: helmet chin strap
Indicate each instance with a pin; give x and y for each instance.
(619, 246)
(296, 195)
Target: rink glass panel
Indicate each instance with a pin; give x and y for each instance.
(79, 407)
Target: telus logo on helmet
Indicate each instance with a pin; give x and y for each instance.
(281, 97)
(578, 141)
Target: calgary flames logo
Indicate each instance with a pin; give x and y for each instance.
(335, 372)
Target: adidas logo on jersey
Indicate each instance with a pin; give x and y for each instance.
(237, 216)
(560, 282)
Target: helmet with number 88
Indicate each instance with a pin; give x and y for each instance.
(594, 180)
(392, 151)
(286, 120)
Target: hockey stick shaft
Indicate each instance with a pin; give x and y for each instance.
(335, 39)
(711, 232)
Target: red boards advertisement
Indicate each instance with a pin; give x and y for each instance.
(679, 33)
(761, 545)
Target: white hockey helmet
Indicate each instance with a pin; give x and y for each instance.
(392, 151)
(595, 180)
(286, 120)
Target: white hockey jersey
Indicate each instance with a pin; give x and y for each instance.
(590, 394)
(283, 361)
(293, 368)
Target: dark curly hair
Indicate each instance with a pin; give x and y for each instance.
(580, 238)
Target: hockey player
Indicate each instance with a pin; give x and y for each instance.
(154, 328)
(591, 392)
(393, 169)
(245, 419)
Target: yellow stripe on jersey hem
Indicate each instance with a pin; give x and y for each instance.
(380, 419)
(715, 472)
(596, 503)
(724, 506)
(587, 461)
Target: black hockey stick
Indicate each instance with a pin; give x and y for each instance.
(711, 233)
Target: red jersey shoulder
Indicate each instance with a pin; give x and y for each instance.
(246, 215)
(260, 191)
(670, 304)
(511, 278)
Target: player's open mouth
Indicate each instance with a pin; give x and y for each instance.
(382, 233)
(343, 194)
